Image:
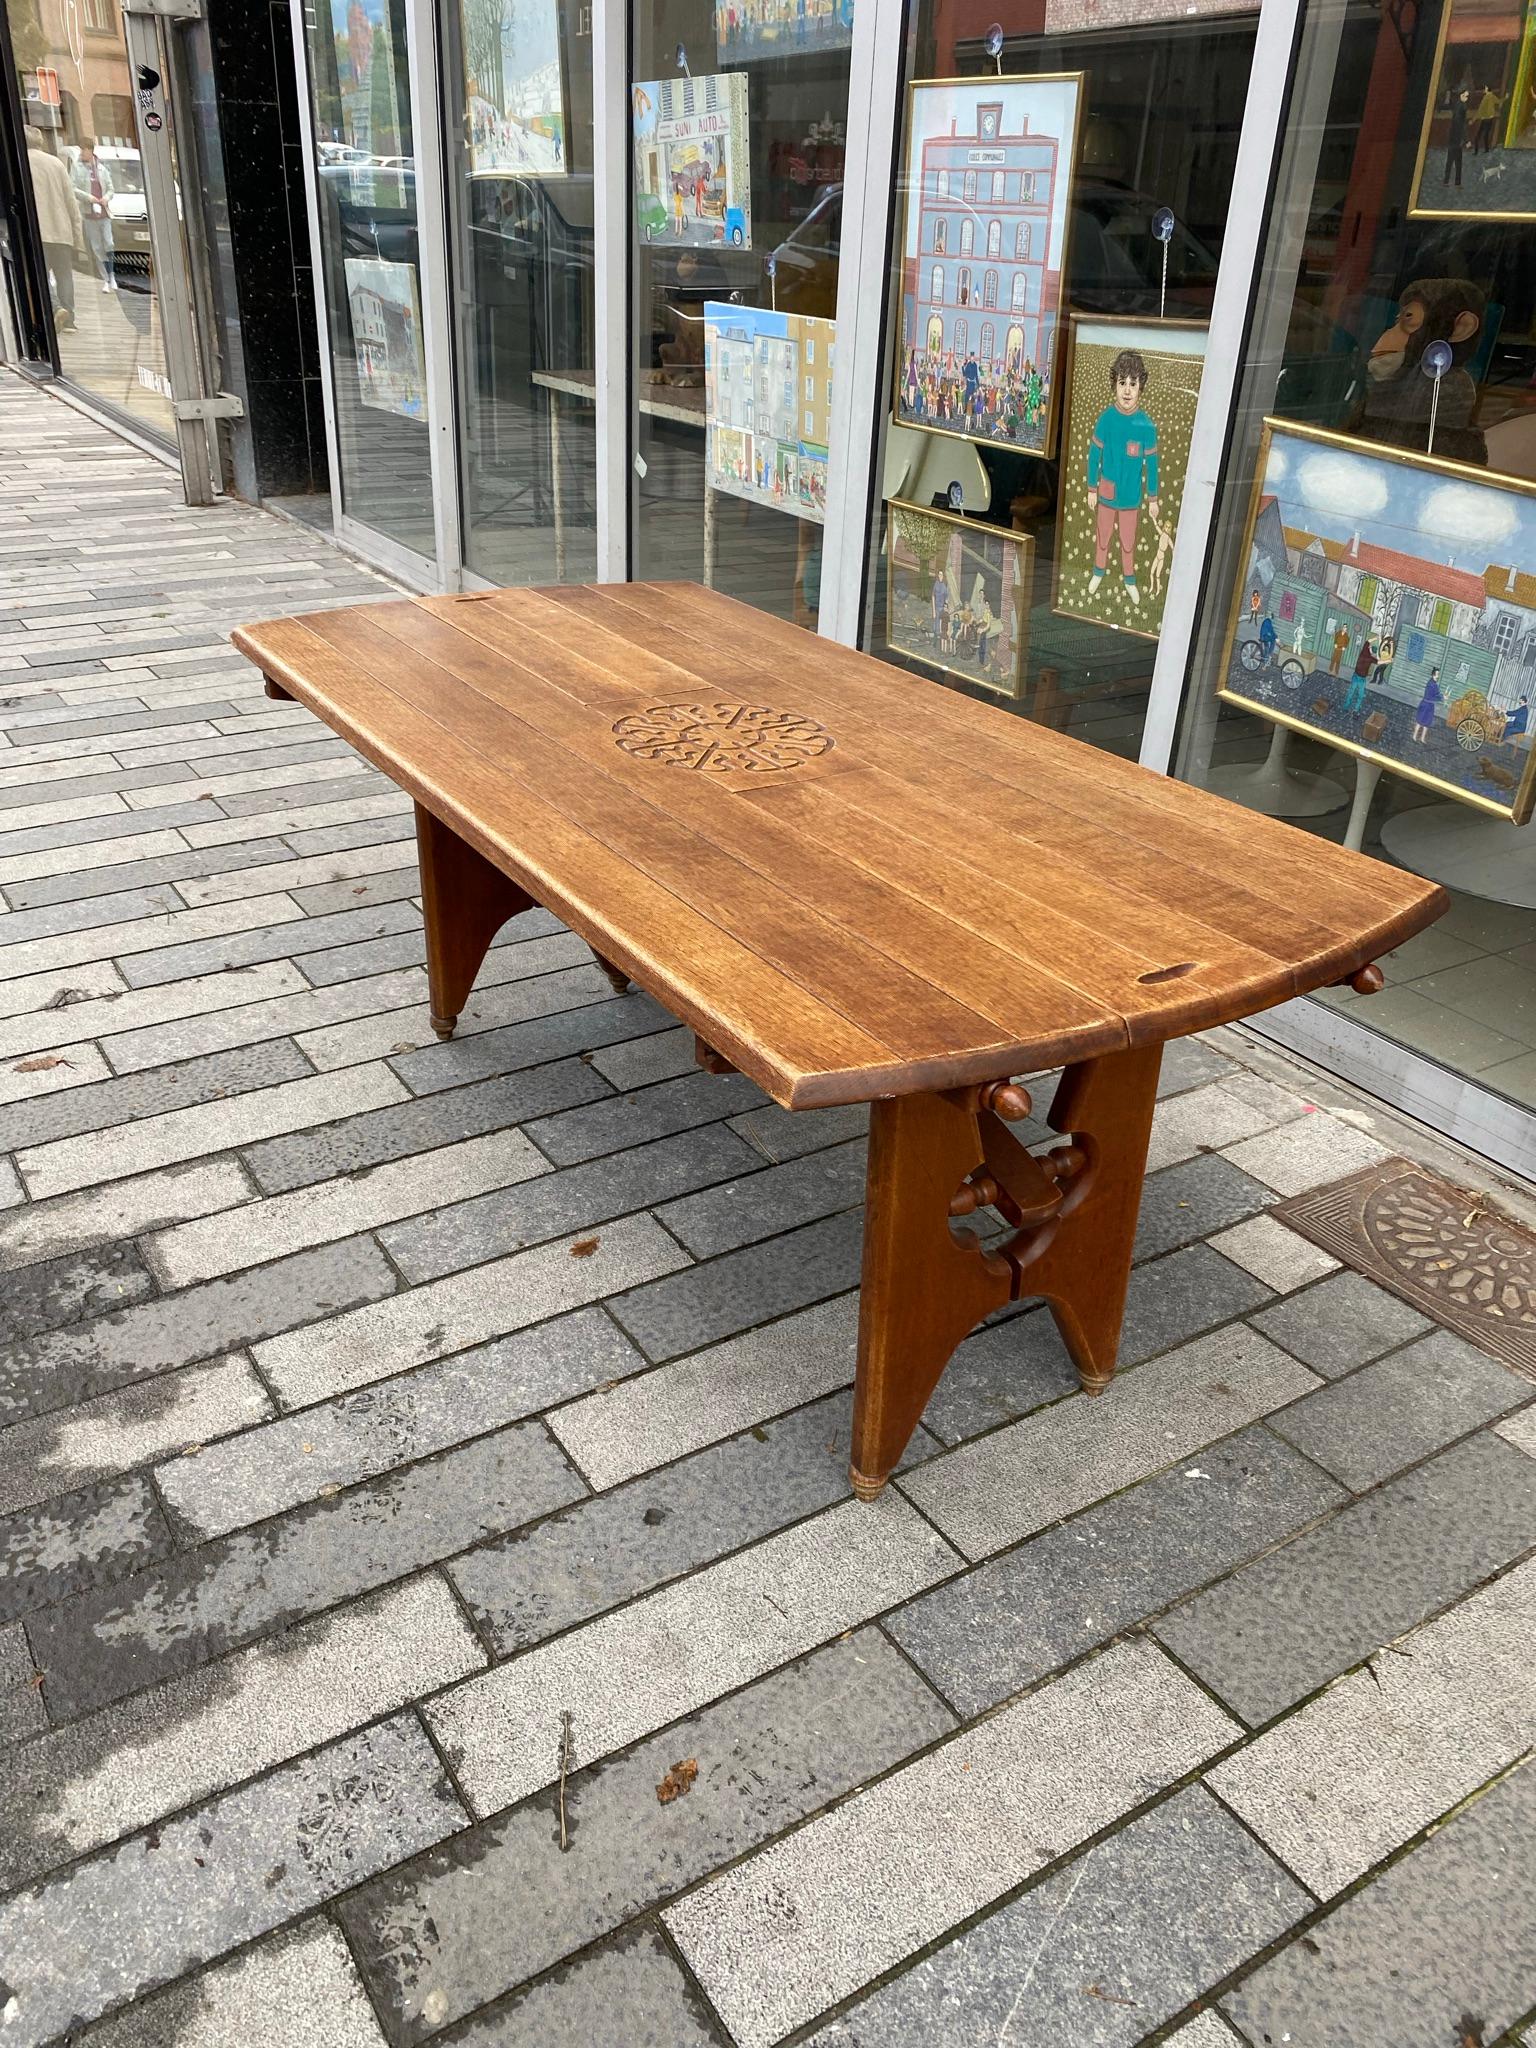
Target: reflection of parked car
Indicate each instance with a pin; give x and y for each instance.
(122, 176)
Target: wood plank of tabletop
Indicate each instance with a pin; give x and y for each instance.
(1367, 905)
(919, 853)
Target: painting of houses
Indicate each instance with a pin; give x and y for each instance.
(1388, 606)
(768, 403)
(988, 176)
(385, 305)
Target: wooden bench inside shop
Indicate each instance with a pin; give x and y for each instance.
(853, 886)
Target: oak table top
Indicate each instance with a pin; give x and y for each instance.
(852, 882)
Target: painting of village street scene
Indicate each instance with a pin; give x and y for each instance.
(1385, 608)
(385, 305)
(1130, 415)
(745, 29)
(692, 171)
(988, 180)
(514, 88)
(957, 595)
(768, 406)
(1477, 149)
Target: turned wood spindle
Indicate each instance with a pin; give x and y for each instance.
(1007, 1100)
(979, 1192)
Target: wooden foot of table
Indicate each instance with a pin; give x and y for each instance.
(927, 1281)
(466, 902)
(618, 979)
(276, 690)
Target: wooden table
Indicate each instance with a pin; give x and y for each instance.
(854, 886)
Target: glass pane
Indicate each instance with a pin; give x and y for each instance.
(88, 184)
(366, 176)
(518, 78)
(739, 112)
(1060, 213)
(1372, 602)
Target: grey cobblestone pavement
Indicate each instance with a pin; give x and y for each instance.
(368, 1405)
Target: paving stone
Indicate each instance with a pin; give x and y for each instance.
(601, 1552)
(88, 1941)
(303, 1984)
(90, 1783)
(11, 1190)
(199, 1604)
(1279, 1256)
(575, 1198)
(373, 830)
(502, 1904)
(42, 1297)
(391, 885)
(246, 948)
(157, 1091)
(54, 1454)
(776, 1199)
(1205, 2030)
(802, 1925)
(96, 857)
(314, 1453)
(1185, 1202)
(301, 795)
(42, 793)
(660, 1057)
(392, 804)
(177, 863)
(623, 1121)
(85, 1539)
(1341, 1323)
(366, 958)
(1204, 1119)
(1307, 1153)
(514, 1046)
(1409, 1958)
(465, 1308)
(621, 1431)
(300, 1158)
(1014, 1365)
(1288, 1622)
(1014, 1482)
(280, 1224)
(1389, 1414)
(69, 1365)
(1520, 1430)
(291, 1008)
(788, 1134)
(996, 1629)
(115, 1015)
(217, 1126)
(37, 991)
(118, 908)
(122, 943)
(628, 1673)
(1387, 1749)
(705, 1303)
(60, 1069)
(21, 1700)
(629, 1994)
(1112, 1946)
(49, 1230)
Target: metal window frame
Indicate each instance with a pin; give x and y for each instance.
(611, 217)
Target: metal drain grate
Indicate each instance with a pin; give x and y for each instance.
(1436, 1245)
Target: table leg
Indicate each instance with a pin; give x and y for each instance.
(926, 1284)
(466, 902)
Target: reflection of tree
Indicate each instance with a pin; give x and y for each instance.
(390, 118)
(28, 36)
(482, 48)
(929, 541)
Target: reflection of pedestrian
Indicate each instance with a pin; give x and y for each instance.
(58, 223)
(1424, 717)
(1484, 116)
(1456, 135)
(1365, 661)
(1340, 644)
(95, 214)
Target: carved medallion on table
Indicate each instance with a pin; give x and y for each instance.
(722, 738)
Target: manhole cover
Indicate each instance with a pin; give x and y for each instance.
(1443, 1249)
(722, 739)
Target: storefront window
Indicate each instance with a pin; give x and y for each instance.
(88, 185)
(1371, 617)
(739, 109)
(371, 257)
(518, 85)
(1036, 431)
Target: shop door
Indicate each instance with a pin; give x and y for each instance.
(99, 90)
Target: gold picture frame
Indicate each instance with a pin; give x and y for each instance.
(1360, 657)
(1074, 528)
(1432, 108)
(984, 644)
(1003, 314)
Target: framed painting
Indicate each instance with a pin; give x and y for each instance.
(1385, 608)
(385, 304)
(515, 103)
(1477, 145)
(1129, 417)
(957, 595)
(987, 184)
(768, 406)
(748, 29)
(693, 178)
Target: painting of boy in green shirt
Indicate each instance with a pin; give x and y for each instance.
(1122, 471)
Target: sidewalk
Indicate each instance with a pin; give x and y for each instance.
(409, 1452)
